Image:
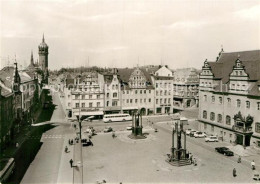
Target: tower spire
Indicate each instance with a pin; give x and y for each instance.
(43, 40)
(32, 58)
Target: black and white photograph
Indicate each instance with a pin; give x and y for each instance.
(129, 91)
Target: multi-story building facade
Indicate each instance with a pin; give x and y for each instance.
(163, 82)
(85, 97)
(229, 96)
(30, 95)
(10, 104)
(112, 98)
(137, 91)
(185, 88)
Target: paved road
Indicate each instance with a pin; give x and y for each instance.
(45, 166)
(122, 160)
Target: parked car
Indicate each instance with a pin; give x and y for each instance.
(224, 150)
(129, 128)
(188, 131)
(211, 139)
(192, 132)
(108, 129)
(199, 134)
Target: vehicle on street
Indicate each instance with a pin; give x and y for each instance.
(192, 132)
(116, 117)
(129, 128)
(108, 129)
(225, 151)
(211, 139)
(7, 166)
(199, 135)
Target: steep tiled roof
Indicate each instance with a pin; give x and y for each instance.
(7, 76)
(224, 66)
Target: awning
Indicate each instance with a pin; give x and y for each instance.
(129, 108)
(91, 113)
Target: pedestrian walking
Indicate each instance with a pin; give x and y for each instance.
(234, 172)
(195, 162)
(71, 163)
(239, 160)
(191, 158)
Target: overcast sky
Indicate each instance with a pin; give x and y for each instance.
(116, 33)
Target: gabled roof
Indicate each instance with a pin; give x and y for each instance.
(223, 67)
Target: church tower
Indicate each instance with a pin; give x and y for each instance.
(43, 56)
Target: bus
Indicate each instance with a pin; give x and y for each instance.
(6, 168)
(116, 117)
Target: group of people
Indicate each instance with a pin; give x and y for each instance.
(239, 161)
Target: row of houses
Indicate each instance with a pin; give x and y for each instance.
(152, 90)
(19, 91)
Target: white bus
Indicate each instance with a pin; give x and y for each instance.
(6, 168)
(116, 117)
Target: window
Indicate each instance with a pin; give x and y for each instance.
(157, 101)
(165, 92)
(114, 103)
(141, 100)
(229, 101)
(83, 105)
(169, 100)
(213, 99)
(107, 103)
(247, 104)
(144, 91)
(76, 97)
(145, 100)
(113, 86)
(114, 95)
(157, 93)
(98, 96)
(141, 91)
(238, 103)
(258, 105)
(98, 104)
(212, 116)
(205, 126)
(77, 105)
(150, 91)
(90, 96)
(205, 98)
(136, 100)
(131, 100)
(127, 101)
(204, 114)
(83, 97)
(90, 104)
(257, 127)
(165, 100)
(220, 100)
(219, 118)
(161, 101)
(149, 100)
(107, 95)
(228, 120)
(135, 91)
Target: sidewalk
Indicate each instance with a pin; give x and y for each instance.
(65, 171)
(78, 164)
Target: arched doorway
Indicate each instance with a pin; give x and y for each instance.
(143, 111)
